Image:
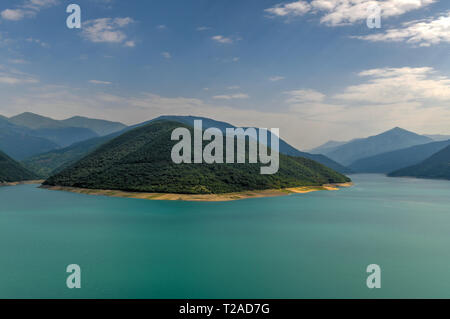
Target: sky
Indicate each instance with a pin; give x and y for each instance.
(312, 68)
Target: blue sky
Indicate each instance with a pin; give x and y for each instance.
(312, 68)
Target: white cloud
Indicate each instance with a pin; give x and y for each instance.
(203, 28)
(396, 85)
(423, 32)
(130, 44)
(11, 76)
(342, 12)
(38, 41)
(304, 95)
(28, 9)
(166, 55)
(222, 39)
(107, 30)
(100, 82)
(161, 27)
(13, 15)
(276, 78)
(18, 61)
(231, 96)
(233, 87)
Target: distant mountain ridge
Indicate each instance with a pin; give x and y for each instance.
(391, 161)
(28, 134)
(394, 139)
(435, 167)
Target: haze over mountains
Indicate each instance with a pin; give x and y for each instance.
(392, 140)
(435, 167)
(28, 134)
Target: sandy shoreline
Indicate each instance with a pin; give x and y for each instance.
(39, 181)
(201, 198)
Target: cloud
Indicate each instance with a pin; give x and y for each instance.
(107, 30)
(222, 39)
(343, 12)
(10, 76)
(231, 97)
(276, 78)
(161, 27)
(18, 61)
(396, 85)
(422, 32)
(28, 9)
(233, 87)
(166, 55)
(100, 82)
(304, 95)
(203, 28)
(37, 41)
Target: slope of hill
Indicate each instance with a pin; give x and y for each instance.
(64, 136)
(100, 127)
(438, 137)
(327, 147)
(285, 148)
(19, 142)
(140, 160)
(49, 163)
(391, 161)
(435, 167)
(391, 140)
(11, 171)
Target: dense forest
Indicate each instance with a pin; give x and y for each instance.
(140, 160)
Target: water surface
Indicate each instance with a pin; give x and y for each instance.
(314, 245)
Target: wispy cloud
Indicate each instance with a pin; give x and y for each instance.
(10, 76)
(304, 96)
(276, 78)
(203, 28)
(343, 12)
(100, 82)
(222, 39)
(107, 30)
(421, 32)
(166, 55)
(231, 96)
(28, 8)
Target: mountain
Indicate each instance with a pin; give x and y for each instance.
(391, 140)
(95, 126)
(435, 167)
(285, 148)
(391, 161)
(140, 160)
(28, 134)
(19, 142)
(51, 162)
(100, 127)
(11, 171)
(35, 121)
(327, 147)
(438, 137)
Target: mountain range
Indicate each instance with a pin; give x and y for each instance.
(28, 134)
(53, 161)
(140, 160)
(435, 167)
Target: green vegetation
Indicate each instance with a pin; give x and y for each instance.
(140, 160)
(435, 167)
(11, 171)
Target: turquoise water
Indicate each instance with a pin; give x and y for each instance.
(315, 245)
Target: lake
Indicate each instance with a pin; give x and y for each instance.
(314, 245)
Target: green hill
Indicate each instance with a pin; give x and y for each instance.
(140, 160)
(391, 161)
(11, 171)
(51, 162)
(435, 167)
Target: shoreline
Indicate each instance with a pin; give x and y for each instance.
(30, 182)
(202, 197)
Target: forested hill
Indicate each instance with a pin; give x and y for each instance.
(11, 171)
(140, 160)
